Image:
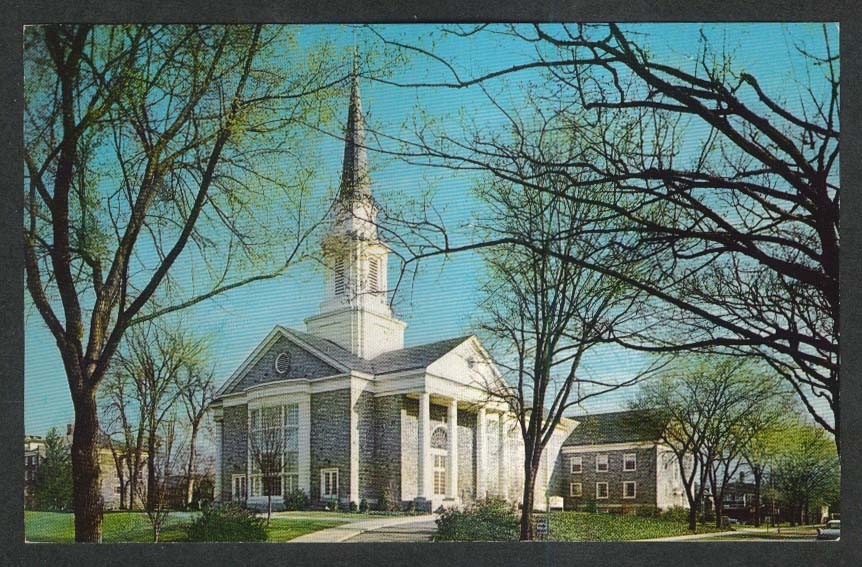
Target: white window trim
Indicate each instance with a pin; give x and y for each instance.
(323, 495)
(580, 463)
(607, 463)
(607, 491)
(633, 483)
(572, 486)
(634, 457)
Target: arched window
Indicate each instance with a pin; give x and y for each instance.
(440, 438)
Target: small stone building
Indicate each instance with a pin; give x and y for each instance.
(363, 416)
(610, 462)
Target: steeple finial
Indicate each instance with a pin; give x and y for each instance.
(354, 175)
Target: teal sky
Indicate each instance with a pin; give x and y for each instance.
(442, 303)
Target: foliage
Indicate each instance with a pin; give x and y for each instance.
(578, 526)
(296, 499)
(676, 514)
(52, 486)
(648, 512)
(805, 469)
(489, 519)
(387, 502)
(227, 522)
(352, 506)
(363, 505)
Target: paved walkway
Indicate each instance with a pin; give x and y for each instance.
(689, 537)
(382, 529)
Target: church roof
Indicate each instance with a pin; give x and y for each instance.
(323, 357)
(355, 182)
(614, 427)
(410, 358)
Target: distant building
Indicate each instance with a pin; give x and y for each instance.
(34, 453)
(611, 463)
(109, 481)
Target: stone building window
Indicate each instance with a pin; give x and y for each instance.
(439, 450)
(629, 462)
(240, 488)
(629, 489)
(577, 465)
(601, 490)
(601, 463)
(575, 489)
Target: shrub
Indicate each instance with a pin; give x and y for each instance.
(489, 519)
(411, 507)
(227, 523)
(676, 514)
(352, 506)
(296, 499)
(648, 512)
(363, 505)
(589, 505)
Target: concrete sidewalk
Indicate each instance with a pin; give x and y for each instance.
(342, 533)
(690, 537)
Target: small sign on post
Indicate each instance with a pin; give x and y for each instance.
(542, 527)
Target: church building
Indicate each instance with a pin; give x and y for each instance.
(361, 415)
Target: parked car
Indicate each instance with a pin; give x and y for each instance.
(832, 531)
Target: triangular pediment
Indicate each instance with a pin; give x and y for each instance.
(297, 360)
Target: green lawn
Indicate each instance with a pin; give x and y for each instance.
(581, 526)
(55, 527)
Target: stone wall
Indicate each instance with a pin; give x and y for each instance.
(234, 446)
(466, 455)
(386, 472)
(644, 475)
(330, 440)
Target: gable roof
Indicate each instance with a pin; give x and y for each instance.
(411, 358)
(614, 427)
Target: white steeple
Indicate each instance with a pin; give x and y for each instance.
(355, 313)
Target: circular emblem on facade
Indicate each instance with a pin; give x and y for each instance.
(282, 362)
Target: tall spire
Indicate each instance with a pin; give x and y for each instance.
(355, 182)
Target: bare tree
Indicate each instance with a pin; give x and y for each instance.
(746, 242)
(143, 144)
(196, 390)
(162, 462)
(542, 313)
(267, 450)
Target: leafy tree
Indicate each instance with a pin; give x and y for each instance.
(52, 485)
(805, 471)
(706, 410)
(154, 155)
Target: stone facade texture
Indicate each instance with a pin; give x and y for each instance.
(302, 365)
(644, 476)
(330, 440)
(386, 472)
(234, 446)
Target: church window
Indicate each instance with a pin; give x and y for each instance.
(440, 439)
(275, 430)
(338, 268)
(439, 474)
(329, 484)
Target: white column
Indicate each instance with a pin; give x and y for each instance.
(219, 428)
(481, 454)
(503, 460)
(425, 488)
(452, 464)
(354, 443)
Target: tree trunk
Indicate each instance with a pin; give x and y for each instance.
(692, 515)
(151, 470)
(757, 481)
(528, 500)
(190, 481)
(87, 500)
